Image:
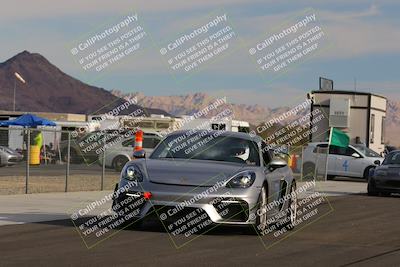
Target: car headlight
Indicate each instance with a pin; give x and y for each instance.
(242, 180)
(132, 173)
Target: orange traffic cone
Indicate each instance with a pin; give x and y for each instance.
(139, 140)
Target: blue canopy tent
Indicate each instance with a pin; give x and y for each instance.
(31, 121)
(28, 120)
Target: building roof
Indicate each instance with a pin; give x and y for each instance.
(344, 92)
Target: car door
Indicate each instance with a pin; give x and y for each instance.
(345, 163)
(356, 165)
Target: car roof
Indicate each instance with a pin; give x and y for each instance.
(240, 135)
(325, 143)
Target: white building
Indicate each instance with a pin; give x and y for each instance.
(361, 115)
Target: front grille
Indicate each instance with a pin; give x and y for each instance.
(232, 209)
(174, 213)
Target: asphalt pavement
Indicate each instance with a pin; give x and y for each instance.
(360, 231)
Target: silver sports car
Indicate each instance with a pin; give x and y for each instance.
(226, 177)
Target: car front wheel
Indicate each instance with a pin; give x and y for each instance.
(261, 213)
(292, 208)
(119, 163)
(371, 188)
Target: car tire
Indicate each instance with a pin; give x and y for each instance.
(129, 224)
(292, 208)
(385, 194)
(261, 219)
(330, 177)
(371, 188)
(308, 170)
(74, 156)
(135, 225)
(119, 162)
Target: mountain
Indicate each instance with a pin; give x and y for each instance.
(191, 103)
(255, 114)
(48, 89)
(393, 122)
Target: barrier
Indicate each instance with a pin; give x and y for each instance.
(139, 140)
(34, 155)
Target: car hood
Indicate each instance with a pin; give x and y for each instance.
(373, 159)
(190, 172)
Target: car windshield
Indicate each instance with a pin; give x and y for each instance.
(366, 151)
(208, 146)
(392, 158)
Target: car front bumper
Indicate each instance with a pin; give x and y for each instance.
(170, 202)
(388, 184)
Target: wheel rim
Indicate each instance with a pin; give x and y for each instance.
(293, 205)
(263, 208)
(119, 164)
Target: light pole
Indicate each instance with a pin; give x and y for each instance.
(19, 77)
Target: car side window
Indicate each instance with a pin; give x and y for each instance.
(151, 141)
(321, 148)
(335, 150)
(350, 151)
(342, 151)
(129, 143)
(148, 142)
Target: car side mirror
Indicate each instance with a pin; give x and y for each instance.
(356, 155)
(139, 154)
(377, 162)
(277, 163)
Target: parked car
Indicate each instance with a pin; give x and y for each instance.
(180, 173)
(118, 154)
(352, 161)
(9, 156)
(385, 179)
(88, 147)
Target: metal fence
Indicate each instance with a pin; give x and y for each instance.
(311, 167)
(47, 160)
(44, 160)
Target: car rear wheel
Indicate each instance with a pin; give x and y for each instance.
(119, 163)
(74, 156)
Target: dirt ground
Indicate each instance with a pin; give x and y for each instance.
(44, 184)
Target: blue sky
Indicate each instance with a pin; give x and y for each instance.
(364, 39)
